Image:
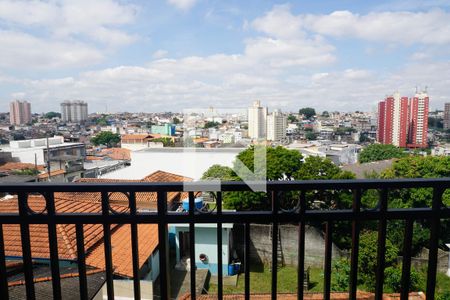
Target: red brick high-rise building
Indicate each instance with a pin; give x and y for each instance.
(393, 120)
(403, 122)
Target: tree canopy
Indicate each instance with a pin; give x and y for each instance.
(211, 124)
(166, 141)
(106, 138)
(307, 112)
(219, 172)
(376, 152)
(52, 114)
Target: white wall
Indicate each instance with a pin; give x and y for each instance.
(183, 161)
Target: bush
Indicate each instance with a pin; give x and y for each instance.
(341, 278)
(393, 279)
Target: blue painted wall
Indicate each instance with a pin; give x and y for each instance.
(206, 243)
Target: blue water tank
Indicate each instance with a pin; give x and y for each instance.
(198, 202)
(231, 270)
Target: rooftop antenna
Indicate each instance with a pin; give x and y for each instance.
(426, 89)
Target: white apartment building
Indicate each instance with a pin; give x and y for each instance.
(257, 120)
(74, 111)
(276, 126)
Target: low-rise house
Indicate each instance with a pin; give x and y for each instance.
(53, 152)
(93, 239)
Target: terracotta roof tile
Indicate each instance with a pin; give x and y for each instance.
(39, 238)
(11, 166)
(144, 200)
(132, 137)
(121, 249)
(117, 153)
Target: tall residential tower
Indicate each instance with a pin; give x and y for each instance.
(257, 120)
(19, 112)
(276, 126)
(74, 111)
(403, 122)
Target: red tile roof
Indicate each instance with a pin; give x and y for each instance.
(135, 137)
(12, 166)
(121, 249)
(39, 232)
(145, 200)
(66, 236)
(117, 153)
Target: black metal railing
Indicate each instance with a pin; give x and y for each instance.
(299, 215)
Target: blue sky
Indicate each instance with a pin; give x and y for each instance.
(170, 55)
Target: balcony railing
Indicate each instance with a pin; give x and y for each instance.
(162, 217)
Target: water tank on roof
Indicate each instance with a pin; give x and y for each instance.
(198, 202)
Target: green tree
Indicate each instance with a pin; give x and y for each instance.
(292, 119)
(393, 279)
(219, 172)
(176, 121)
(281, 162)
(211, 124)
(102, 121)
(341, 280)
(166, 141)
(315, 167)
(325, 114)
(307, 112)
(106, 138)
(310, 136)
(376, 152)
(367, 257)
(52, 114)
(27, 171)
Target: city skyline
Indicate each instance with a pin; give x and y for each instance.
(132, 56)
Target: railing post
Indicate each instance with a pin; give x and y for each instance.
(219, 247)
(26, 245)
(135, 248)
(53, 246)
(328, 253)
(356, 206)
(274, 243)
(301, 246)
(406, 268)
(107, 246)
(381, 244)
(81, 255)
(434, 242)
(3, 277)
(247, 260)
(192, 243)
(163, 246)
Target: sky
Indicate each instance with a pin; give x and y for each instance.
(172, 55)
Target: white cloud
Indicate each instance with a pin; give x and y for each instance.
(279, 23)
(160, 54)
(287, 68)
(63, 33)
(184, 5)
(21, 50)
(432, 27)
